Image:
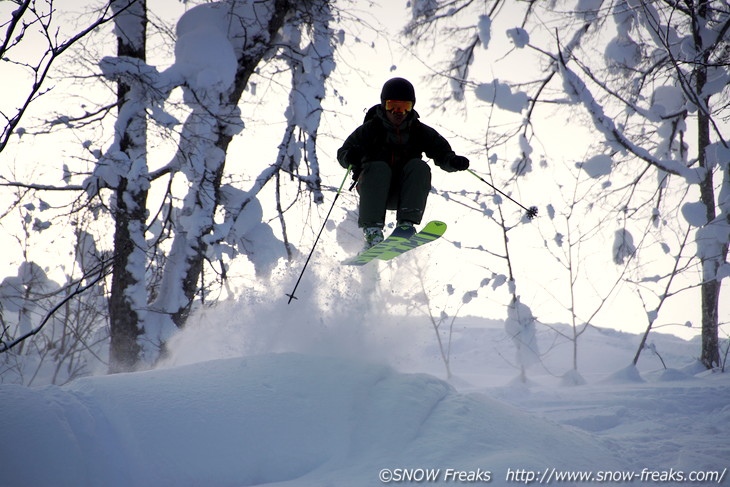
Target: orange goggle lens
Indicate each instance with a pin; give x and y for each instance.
(398, 106)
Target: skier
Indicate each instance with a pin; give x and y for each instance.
(385, 154)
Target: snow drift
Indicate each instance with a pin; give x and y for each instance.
(287, 418)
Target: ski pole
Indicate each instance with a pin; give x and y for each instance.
(339, 190)
(531, 211)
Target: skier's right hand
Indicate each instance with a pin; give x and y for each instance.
(356, 170)
(354, 156)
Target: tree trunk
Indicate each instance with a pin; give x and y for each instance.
(711, 263)
(710, 290)
(246, 66)
(129, 208)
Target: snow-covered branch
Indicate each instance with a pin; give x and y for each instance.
(580, 93)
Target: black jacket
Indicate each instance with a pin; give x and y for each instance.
(382, 141)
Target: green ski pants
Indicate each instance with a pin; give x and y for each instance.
(404, 189)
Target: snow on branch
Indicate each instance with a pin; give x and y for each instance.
(580, 94)
(463, 58)
(243, 228)
(310, 68)
(623, 246)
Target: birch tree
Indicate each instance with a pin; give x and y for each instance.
(128, 154)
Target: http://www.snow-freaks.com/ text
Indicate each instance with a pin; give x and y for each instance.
(549, 476)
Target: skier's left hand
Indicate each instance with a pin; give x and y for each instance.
(459, 163)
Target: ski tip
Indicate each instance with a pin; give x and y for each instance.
(435, 224)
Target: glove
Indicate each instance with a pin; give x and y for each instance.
(459, 163)
(354, 156)
(356, 170)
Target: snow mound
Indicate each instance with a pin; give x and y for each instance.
(628, 375)
(670, 375)
(289, 419)
(572, 378)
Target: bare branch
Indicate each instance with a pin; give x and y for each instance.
(54, 51)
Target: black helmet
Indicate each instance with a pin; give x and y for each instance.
(398, 89)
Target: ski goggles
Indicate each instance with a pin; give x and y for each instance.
(398, 106)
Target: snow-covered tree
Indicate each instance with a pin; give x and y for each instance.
(520, 327)
(35, 39)
(675, 58)
(650, 78)
(219, 47)
(126, 159)
(159, 255)
(52, 333)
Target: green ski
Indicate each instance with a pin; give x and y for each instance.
(397, 244)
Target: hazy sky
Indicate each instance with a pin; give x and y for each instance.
(367, 59)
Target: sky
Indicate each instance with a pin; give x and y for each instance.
(362, 68)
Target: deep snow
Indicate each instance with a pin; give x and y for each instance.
(309, 418)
